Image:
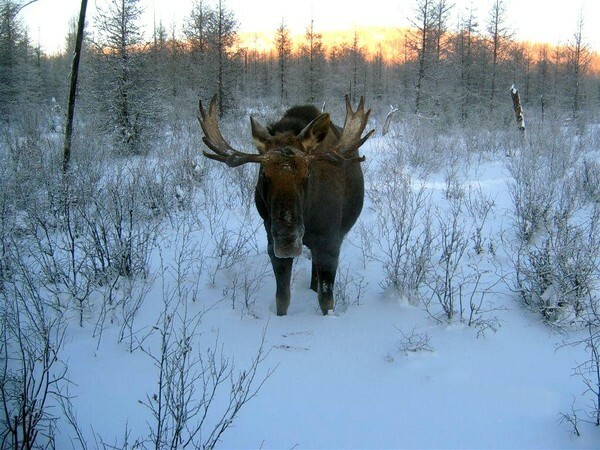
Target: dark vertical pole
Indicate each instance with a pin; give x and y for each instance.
(73, 87)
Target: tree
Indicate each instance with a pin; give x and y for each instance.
(426, 41)
(196, 31)
(378, 74)
(312, 55)
(441, 11)
(542, 77)
(283, 48)
(196, 27)
(212, 36)
(124, 84)
(499, 36)
(73, 87)
(222, 39)
(357, 61)
(14, 57)
(165, 53)
(464, 54)
(578, 57)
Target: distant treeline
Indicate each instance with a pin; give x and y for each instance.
(456, 74)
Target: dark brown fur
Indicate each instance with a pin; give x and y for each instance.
(310, 188)
(326, 199)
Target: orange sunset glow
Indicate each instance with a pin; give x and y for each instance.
(371, 40)
(391, 42)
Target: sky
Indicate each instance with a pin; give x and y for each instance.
(552, 21)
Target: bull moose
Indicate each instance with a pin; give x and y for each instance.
(310, 187)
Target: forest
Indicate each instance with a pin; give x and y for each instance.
(145, 79)
(136, 296)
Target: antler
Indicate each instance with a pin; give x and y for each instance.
(350, 139)
(214, 140)
(354, 125)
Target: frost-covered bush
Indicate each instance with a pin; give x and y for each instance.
(537, 172)
(459, 278)
(557, 219)
(403, 233)
(32, 372)
(589, 180)
(349, 288)
(558, 273)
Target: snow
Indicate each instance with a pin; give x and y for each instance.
(342, 380)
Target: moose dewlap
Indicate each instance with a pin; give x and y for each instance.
(310, 188)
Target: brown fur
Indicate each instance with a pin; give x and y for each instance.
(322, 198)
(310, 188)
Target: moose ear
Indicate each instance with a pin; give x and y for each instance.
(314, 133)
(260, 135)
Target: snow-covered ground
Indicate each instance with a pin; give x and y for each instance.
(348, 380)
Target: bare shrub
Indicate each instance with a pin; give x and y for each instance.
(480, 207)
(8, 224)
(32, 374)
(558, 274)
(414, 342)
(533, 192)
(447, 279)
(231, 244)
(459, 282)
(349, 288)
(589, 179)
(537, 173)
(126, 236)
(403, 233)
(246, 278)
(199, 394)
(588, 371)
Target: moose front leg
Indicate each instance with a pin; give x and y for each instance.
(326, 285)
(326, 266)
(282, 267)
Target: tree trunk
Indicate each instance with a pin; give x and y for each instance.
(73, 87)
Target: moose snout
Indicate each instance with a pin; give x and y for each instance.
(287, 242)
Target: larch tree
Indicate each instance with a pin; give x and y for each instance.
(542, 77)
(312, 56)
(378, 83)
(357, 67)
(499, 37)
(196, 32)
(441, 10)
(124, 84)
(223, 57)
(464, 55)
(283, 48)
(422, 41)
(578, 58)
(15, 52)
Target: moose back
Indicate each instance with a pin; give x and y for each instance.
(310, 188)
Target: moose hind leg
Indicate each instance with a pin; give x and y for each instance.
(314, 276)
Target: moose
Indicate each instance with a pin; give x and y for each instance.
(310, 188)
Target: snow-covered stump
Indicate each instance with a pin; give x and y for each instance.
(516, 100)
